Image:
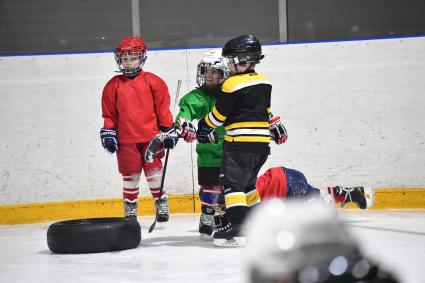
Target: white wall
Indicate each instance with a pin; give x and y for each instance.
(353, 110)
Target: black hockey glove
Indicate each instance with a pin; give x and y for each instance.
(205, 134)
(109, 139)
(171, 137)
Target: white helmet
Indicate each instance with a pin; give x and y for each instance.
(211, 60)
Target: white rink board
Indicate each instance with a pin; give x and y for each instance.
(353, 111)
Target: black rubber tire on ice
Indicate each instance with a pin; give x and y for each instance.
(94, 235)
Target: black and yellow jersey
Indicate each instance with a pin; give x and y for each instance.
(243, 108)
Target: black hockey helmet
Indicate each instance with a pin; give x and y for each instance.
(243, 49)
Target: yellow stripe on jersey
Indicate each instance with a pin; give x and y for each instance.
(247, 125)
(235, 199)
(214, 119)
(238, 82)
(219, 117)
(252, 198)
(247, 139)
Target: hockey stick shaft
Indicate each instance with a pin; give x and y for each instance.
(164, 169)
(160, 189)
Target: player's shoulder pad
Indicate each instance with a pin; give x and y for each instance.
(190, 96)
(113, 81)
(237, 82)
(197, 91)
(152, 78)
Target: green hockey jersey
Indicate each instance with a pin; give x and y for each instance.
(194, 106)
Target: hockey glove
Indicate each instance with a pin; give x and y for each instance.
(171, 137)
(188, 131)
(277, 130)
(109, 139)
(205, 134)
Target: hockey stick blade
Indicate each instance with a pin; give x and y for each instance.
(154, 222)
(153, 147)
(155, 144)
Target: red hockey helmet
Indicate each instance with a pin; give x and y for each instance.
(130, 55)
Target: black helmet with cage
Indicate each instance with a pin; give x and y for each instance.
(243, 49)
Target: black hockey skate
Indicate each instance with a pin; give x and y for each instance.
(206, 222)
(220, 220)
(130, 209)
(355, 195)
(161, 205)
(229, 236)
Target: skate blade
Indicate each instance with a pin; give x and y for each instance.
(162, 220)
(235, 242)
(370, 196)
(206, 237)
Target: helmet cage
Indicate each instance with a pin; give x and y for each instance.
(122, 56)
(204, 66)
(243, 50)
(129, 49)
(242, 56)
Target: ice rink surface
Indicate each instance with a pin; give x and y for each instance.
(174, 253)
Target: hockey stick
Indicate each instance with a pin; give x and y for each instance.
(155, 145)
(176, 100)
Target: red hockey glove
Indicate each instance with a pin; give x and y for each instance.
(277, 130)
(188, 131)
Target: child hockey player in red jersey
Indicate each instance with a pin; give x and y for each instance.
(135, 108)
(285, 183)
(282, 182)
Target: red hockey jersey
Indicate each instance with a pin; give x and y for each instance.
(136, 107)
(272, 184)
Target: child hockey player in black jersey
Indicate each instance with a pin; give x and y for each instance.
(243, 107)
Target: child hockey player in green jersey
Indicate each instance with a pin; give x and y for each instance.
(194, 106)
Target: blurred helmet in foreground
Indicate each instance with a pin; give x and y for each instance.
(291, 242)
